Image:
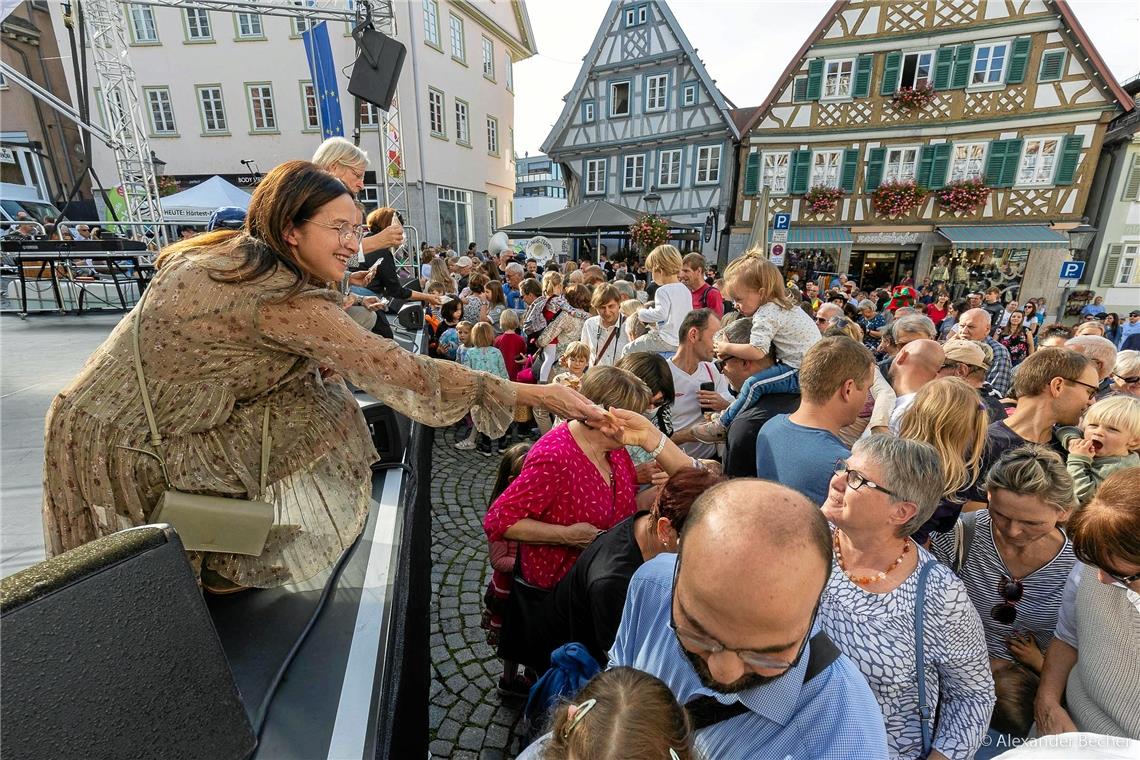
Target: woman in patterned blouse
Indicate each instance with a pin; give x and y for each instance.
(878, 497)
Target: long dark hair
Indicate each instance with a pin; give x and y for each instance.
(510, 465)
(291, 193)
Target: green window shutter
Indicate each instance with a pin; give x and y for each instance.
(963, 57)
(925, 160)
(995, 162)
(815, 79)
(1052, 66)
(943, 68)
(939, 165)
(1018, 61)
(862, 86)
(850, 166)
(1131, 191)
(1111, 265)
(1070, 154)
(752, 174)
(799, 89)
(891, 66)
(1012, 159)
(799, 172)
(875, 161)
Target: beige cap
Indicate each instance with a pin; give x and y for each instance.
(965, 352)
(464, 261)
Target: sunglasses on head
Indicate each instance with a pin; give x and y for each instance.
(1011, 591)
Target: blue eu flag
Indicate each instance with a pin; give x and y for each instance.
(318, 51)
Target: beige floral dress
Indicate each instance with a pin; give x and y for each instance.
(215, 354)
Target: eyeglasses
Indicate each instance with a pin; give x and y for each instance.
(1127, 380)
(349, 233)
(710, 646)
(1124, 580)
(358, 173)
(1092, 389)
(1011, 591)
(856, 479)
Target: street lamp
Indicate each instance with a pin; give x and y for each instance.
(158, 164)
(1080, 238)
(652, 200)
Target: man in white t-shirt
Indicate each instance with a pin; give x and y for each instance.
(604, 332)
(692, 367)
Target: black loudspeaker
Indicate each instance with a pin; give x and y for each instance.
(377, 68)
(109, 652)
(411, 316)
(388, 428)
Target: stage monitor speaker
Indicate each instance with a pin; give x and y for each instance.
(109, 652)
(411, 316)
(377, 68)
(388, 428)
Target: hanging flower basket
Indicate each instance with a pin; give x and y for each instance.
(822, 199)
(896, 199)
(913, 98)
(963, 196)
(167, 186)
(649, 232)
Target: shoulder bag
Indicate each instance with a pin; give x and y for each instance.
(206, 523)
(924, 711)
(964, 529)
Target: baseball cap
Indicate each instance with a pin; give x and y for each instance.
(464, 261)
(965, 352)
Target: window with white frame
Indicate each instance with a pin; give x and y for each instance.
(642, 14)
(967, 161)
(369, 115)
(213, 110)
(619, 99)
(115, 107)
(774, 171)
(669, 168)
(837, 78)
(263, 117)
(435, 113)
(455, 216)
(596, 176)
(161, 111)
(509, 68)
(300, 25)
(492, 135)
(900, 164)
(369, 197)
(462, 125)
(990, 60)
(916, 70)
(249, 26)
(310, 108)
(143, 28)
(488, 59)
(1128, 260)
(825, 168)
(689, 95)
(633, 173)
(708, 165)
(492, 213)
(636, 16)
(431, 22)
(458, 39)
(588, 111)
(1038, 161)
(656, 87)
(198, 25)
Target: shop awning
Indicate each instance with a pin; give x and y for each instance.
(833, 237)
(1004, 236)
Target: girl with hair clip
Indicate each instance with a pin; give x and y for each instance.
(620, 714)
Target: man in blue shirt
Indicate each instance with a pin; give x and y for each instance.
(730, 626)
(800, 449)
(513, 275)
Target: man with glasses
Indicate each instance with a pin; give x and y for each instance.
(747, 658)
(825, 313)
(1131, 329)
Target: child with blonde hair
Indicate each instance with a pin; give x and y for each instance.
(671, 302)
(575, 359)
(757, 288)
(1109, 443)
(484, 357)
(542, 313)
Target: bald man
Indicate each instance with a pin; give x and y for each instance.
(730, 626)
(825, 313)
(917, 364)
(974, 324)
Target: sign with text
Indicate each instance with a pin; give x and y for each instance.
(1071, 273)
(776, 254)
(779, 236)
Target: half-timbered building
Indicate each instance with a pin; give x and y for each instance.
(909, 130)
(645, 119)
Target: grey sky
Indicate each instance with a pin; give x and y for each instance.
(745, 44)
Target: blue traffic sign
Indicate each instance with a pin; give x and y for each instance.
(1072, 270)
(781, 221)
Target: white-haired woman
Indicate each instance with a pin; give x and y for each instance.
(1126, 374)
(878, 497)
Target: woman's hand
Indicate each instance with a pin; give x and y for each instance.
(391, 236)
(372, 303)
(580, 535)
(431, 299)
(647, 471)
(1024, 648)
(1052, 718)
(567, 403)
(636, 429)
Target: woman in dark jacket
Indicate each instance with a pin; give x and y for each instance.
(380, 259)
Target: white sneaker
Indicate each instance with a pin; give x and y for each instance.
(468, 443)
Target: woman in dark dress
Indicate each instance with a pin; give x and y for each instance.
(1016, 337)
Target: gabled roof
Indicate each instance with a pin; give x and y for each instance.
(611, 18)
(1067, 16)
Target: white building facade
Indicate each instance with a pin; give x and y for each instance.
(231, 94)
(538, 187)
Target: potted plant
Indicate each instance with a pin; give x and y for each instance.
(913, 98)
(964, 196)
(648, 232)
(822, 199)
(898, 198)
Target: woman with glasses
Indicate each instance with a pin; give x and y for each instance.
(1126, 374)
(1091, 679)
(877, 498)
(242, 346)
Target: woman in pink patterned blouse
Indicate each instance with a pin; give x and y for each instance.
(578, 481)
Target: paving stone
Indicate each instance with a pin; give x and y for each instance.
(497, 736)
(471, 737)
(440, 748)
(448, 730)
(447, 667)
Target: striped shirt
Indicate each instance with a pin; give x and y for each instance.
(982, 574)
(833, 716)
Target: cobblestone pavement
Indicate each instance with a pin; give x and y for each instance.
(467, 719)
